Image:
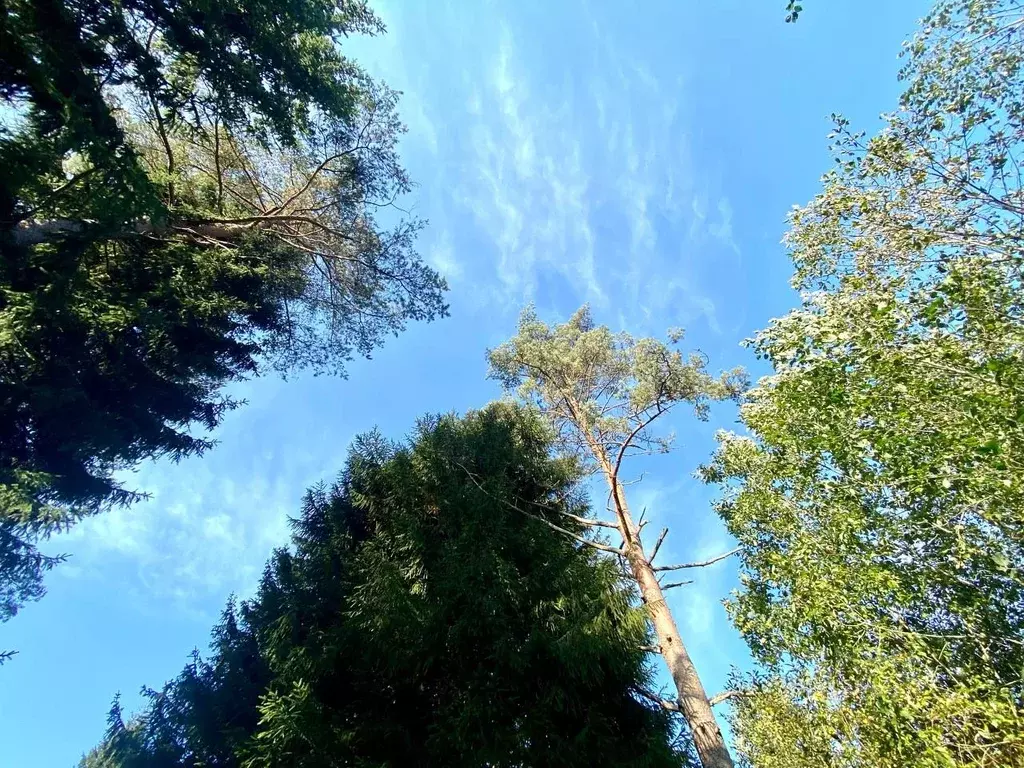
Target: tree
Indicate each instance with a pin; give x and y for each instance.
(424, 617)
(878, 497)
(188, 196)
(602, 393)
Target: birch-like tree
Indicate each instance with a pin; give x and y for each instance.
(878, 491)
(603, 393)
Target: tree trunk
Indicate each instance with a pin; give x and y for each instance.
(693, 699)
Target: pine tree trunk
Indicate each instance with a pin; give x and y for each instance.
(693, 699)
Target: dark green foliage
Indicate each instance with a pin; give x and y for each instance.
(421, 619)
(187, 198)
(266, 63)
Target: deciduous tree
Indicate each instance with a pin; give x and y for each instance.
(878, 497)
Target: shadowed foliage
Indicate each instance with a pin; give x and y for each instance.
(425, 616)
(191, 193)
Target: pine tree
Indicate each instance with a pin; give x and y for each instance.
(603, 394)
(424, 616)
(187, 198)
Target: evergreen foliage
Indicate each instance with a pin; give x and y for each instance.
(424, 617)
(187, 198)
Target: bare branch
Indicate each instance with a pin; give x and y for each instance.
(672, 584)
(718, 698)
(651, 648)
(587, 521)
(666, 704)
(634, 481)
(312, 177)
(661, 410)
(581, 539)
(657, 545)
(699, 564)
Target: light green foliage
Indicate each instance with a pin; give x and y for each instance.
(424, 617)
(188, 197)
(879, 497)
(601, 389)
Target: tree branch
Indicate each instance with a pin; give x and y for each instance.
(588, 521)
(312, 177)
(629, 438)
(718, 698)
(699, 564)
(581, 539)
(666, 704)
(676, 584)
(657, 545)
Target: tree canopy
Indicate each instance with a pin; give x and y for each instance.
(878, 496)
(190, 193)
(424, 616)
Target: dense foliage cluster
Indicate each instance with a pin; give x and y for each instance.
(425, 616)
(187, 196)
(879, 499)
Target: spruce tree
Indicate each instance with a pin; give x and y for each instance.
(424, 616)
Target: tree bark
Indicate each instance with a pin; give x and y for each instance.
(693, 699)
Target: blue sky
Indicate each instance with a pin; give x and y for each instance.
(637, 156)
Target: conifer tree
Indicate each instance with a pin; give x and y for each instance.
(603, 394)
(424, 616)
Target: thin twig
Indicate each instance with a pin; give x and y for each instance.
(718, 698)
(676, 584)
(666, 704)
(586, 520)
(581, 539)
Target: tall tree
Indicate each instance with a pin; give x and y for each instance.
(603, 393)
(424, 617)
(188, 196)
(879, 496)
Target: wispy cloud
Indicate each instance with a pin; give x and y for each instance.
(545, 184)
(442, 257)
(526, 188)
(206, 531)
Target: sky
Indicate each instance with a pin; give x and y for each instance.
(639, 157)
